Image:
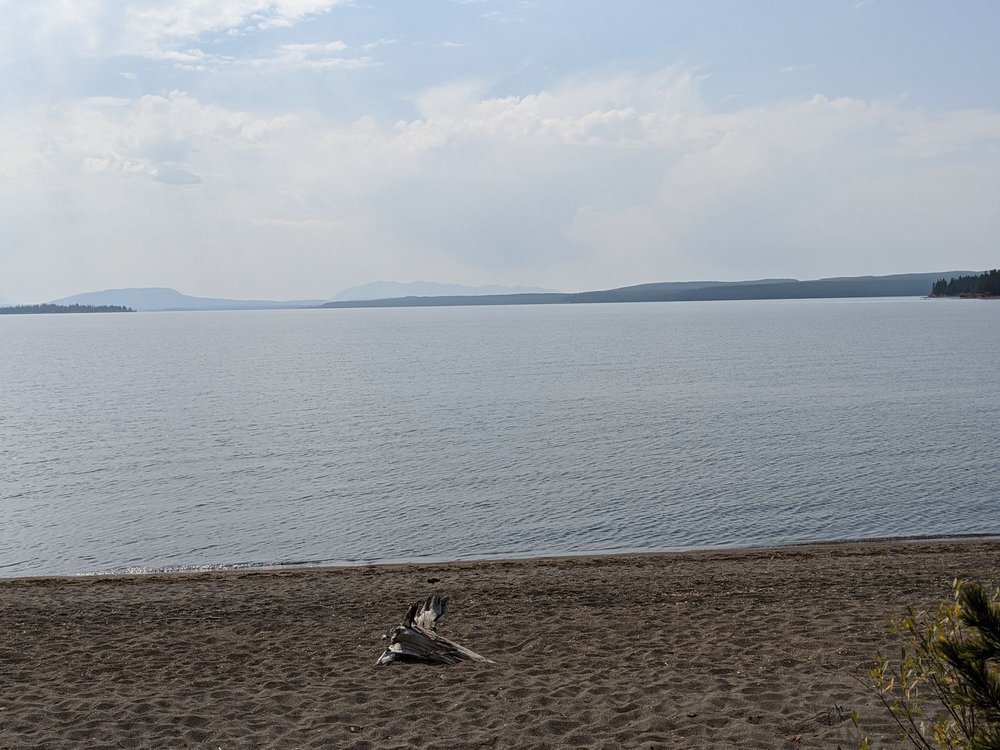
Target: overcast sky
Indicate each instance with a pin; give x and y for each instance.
(291, 148)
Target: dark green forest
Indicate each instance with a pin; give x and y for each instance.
(46, 309)
(984, 285)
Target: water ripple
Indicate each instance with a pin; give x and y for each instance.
(231, 440)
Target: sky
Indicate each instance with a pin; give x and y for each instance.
(287, 149)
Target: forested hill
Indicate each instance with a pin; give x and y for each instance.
(48, 308)
(898, 285)
(984, 285)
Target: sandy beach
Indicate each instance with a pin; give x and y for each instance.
(747, 649)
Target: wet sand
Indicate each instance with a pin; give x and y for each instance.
(747, 649)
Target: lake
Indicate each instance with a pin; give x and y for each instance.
(216, 439)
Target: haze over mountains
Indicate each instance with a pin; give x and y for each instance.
(149, 299)
(426, 294)
(390, 289)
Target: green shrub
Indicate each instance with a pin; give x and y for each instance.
(944, 691)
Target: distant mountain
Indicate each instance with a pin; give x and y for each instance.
(395, 289)
(897, 285)
(422, 294)
(160, 298)
(661, 290)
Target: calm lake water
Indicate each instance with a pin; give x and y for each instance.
(345, 436)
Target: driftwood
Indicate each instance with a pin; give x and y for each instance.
(416, 639)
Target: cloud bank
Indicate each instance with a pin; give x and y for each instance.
(596, 180)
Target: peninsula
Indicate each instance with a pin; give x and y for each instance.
(985, 285)
(47, 309)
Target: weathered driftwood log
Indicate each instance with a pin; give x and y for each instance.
(416, 639)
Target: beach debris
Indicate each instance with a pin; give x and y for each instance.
(416, 639)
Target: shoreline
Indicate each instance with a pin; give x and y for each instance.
(759, 648)
(249, 567)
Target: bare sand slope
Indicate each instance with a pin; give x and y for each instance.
(747, 649)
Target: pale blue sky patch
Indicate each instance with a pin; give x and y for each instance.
(561, 143)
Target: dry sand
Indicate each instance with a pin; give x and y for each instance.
(748, 649)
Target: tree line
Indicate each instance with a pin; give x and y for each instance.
(985, 285)
(48, 308)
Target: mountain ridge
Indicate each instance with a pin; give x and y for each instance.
(150, 299)
(162, 299)
(892, 285)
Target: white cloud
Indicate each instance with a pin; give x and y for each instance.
(498, 16)
(286, 57)
(311, 57)
(169, 30)
(797, 68)
(595, 182)
(149, 25)
(153, 136)
(384, 42)
(924, 134)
